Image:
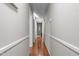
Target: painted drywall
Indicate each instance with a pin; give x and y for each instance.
(48, 41)
(65, 25)
(13, 26)
(19, 50)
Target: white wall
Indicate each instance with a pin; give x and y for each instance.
(13, 26)
(65, 25)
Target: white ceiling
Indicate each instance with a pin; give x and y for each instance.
(40, 8)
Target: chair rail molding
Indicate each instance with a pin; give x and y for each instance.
(64, 43)
(11, 45)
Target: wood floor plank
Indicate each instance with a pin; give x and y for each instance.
(39, 48)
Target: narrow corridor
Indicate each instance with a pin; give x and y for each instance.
(39, 29)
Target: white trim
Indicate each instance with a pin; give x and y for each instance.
(48, 49)
(43, 30)
(66, 44)
(11, 45)
(35, 29)
(30, 28)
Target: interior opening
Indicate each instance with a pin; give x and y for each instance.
(39, 29)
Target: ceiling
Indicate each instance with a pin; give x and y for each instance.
(40, 8)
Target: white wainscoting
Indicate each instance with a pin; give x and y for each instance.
(11, 45)
(64, 43)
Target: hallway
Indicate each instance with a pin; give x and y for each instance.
(39, 29)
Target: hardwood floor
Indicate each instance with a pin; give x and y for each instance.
(39, 48)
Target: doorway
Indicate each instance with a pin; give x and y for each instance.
(39, 29)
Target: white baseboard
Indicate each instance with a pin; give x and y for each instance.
(11, 45)
(48, 48)
(64, 43)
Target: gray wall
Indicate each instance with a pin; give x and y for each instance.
(65, 25)
(13, 26)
